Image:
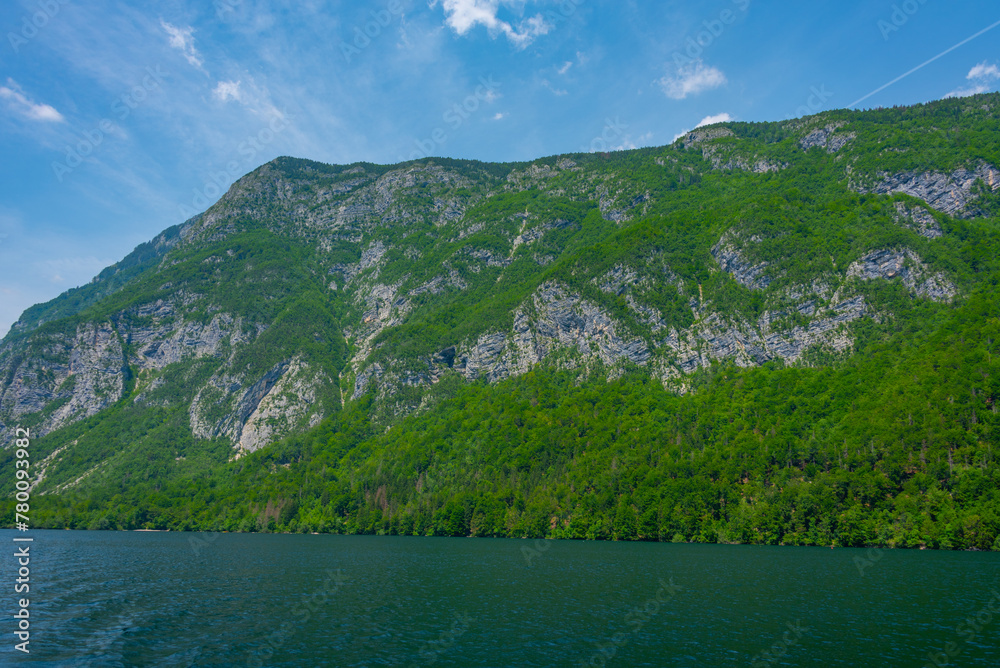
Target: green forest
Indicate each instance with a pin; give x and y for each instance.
(893, 449)
(888, 442)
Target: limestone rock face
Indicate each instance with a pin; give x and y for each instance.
(170, 339)
(948, 193)
(827, 138)
(906, 266)
(702, 135)
(727, 156)
(919, 220)
(252, 411)
(730, 259)
(286, 401)
(565, 320)
(718, 338)
(72, 377)
(75, 375)
(556, 322)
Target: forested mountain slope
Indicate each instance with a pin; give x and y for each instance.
(777, 332)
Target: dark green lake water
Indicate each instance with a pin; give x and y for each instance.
(174, 599)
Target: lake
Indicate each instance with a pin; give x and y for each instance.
(179, 599)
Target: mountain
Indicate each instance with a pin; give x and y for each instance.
(764, 332)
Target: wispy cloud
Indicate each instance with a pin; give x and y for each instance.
(499, 116)
(708, 120)
(565, 68)
(691, 79)
(464, 15)
(982, 78)
(22, 105)
(256, 98)
(182, 39)
(228, 90)
(557, 91)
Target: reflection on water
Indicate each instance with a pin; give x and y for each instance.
(174, 599)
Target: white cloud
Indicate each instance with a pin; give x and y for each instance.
(500, 116)
(692, 79)
(21, 104)
(708, 120)
(712, 120)
(984, 71)
(983, 79)
(182, 39)
(491, 96)
(565, 68)
(464, 15)
(228, 90)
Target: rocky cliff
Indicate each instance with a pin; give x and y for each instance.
(309, 286)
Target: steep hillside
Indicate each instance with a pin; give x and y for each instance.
(833, 256)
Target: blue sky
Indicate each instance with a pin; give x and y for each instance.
(120, 119)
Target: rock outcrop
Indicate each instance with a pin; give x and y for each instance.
(827, 138)
(948, 193)
(286, 401)
(918, 219)
(726, 156)
(905, 266)
(718, 338)
(251, 412)
(71, 375)
(565, 320)
(728, 254)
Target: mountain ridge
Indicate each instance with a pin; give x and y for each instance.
(310, 290)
